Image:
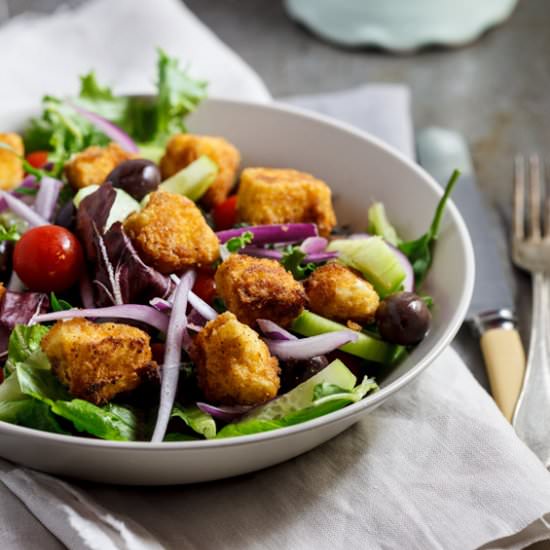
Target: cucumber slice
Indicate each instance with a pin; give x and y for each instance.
(374, 259)
(302, 395)
(367, 347)
(123, 206)
(194, 180)
(380, 225)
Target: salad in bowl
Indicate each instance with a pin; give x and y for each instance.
(155, 289)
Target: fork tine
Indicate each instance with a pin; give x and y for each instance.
(519, 197)
(534, 197)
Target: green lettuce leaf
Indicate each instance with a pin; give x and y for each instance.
(31, 414)
(23, 342)
(200, 422)
(62, 131)
(150, 121)
(327, 398)
(420, 251)
(113, 422)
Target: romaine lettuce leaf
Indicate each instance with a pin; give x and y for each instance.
(23, 342)
(326, 399)
(111, 421)
(200, 422)
(31, 414)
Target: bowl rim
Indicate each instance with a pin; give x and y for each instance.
(354, 409)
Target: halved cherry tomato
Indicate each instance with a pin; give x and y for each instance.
(48, 258)
(205, 286)
(225, 213)
(37, 159)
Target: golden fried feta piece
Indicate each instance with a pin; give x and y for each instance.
(336, 292)
(183, 149)
(94, 164)
(259, 288)
(234, 366)
(170, 233)
(11, 165)
(99, 361)
(272, 195)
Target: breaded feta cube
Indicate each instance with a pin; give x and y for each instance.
(234, 366)
(94, 164)
(171, 234)
(336, 292)
(272, 195)
(98, 361)
(183, 149)
(259, 288)
(11, 166)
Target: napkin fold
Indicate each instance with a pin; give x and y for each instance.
(436, 466)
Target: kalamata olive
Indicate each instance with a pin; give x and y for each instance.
(138, 177)
(297, 371)
(6, 263)
(403, 318)
(66, 217)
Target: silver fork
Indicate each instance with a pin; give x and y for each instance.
(531, 251)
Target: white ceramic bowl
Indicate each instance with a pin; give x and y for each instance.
(359, 168)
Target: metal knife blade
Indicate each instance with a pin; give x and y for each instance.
(440, 151)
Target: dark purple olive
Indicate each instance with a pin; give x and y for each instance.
(138, 177)
(66, 217)
(403, 318)
(297, 371)
(6, 256)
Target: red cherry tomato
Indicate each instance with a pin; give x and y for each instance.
(225, 213)
(205, 286)
(48, 258)
(37, 159)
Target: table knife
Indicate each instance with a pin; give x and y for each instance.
(491, 312)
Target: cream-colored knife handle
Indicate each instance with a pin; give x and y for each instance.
(505, 361)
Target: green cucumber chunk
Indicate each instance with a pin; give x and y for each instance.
(366, 346)
(194, 180)
(123, 206)
(374, 259)
(302, 396)
(380, 225)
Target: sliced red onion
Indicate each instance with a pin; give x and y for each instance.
(135, 312)
(259, 252)
(46, 198)
(177, 332)
(160, 304)
(269, 234)
(108, 128)
(408, 283)
(274, 331)
(224, 413)
(320, 257)
(305, 348)
(207, 311)
(22, 210)
(314, 245)
(86, 292)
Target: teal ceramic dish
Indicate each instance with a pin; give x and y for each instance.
(400, 25)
